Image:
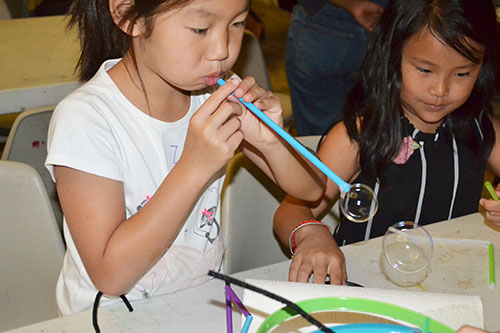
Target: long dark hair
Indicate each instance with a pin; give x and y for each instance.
(101, 39)
(373, 112)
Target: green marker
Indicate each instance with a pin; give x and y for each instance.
(491, 251)
(490, 189)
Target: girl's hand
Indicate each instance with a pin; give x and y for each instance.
(214, 132)
(317, 254)
(492, 208)
(255, 131)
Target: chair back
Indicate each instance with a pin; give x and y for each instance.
(27, 143)
(249, 199)
(251, 61)
(18, 8)
(31, 248)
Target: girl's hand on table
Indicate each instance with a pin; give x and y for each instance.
(492, 208)
(317, 254)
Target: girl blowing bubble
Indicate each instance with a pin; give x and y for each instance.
(418, 128)
(139, 152)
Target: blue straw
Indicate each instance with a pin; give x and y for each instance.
(294, 143)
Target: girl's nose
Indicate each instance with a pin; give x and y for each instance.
(219, 48)
(439, 88)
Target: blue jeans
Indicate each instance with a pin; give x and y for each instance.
(323, 54)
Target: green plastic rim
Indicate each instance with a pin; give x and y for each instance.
(351, 304)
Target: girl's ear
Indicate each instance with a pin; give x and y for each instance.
(118, 9)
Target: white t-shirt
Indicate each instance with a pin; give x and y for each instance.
(97, 130)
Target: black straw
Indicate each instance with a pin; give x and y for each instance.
(278, 298)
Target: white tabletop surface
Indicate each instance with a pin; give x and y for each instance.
(455, 269)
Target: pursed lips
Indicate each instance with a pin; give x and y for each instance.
(435, 107)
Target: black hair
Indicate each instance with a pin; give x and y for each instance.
(372, 113)
(101, 39)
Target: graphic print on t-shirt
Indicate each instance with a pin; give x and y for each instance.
(208, 226)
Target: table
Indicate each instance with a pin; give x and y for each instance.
(37, 61)
(454, 270)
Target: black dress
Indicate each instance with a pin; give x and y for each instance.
(435, 184)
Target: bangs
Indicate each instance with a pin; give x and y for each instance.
(458, 40)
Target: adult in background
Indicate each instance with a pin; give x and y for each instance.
(325, 47)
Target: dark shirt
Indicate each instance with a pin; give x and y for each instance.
(429, 172)
(312, 6)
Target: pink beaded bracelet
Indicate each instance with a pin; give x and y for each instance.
(291, 239)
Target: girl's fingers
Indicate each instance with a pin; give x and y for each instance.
(235, 139)
(490, 205)
(250, 91)
(320, 271)
(224, 113)
(218, 98)
(305, 271)
(337, 275)
(268, 103)
(294, 269)
(246, 85)
(229, 128)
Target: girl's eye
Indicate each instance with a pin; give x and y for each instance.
(463, 74)
(240, 24)
(423, 70)
(199, 31)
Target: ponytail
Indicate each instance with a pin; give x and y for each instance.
(100, 38)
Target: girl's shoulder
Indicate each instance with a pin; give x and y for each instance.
(99, 94)
(338, 141)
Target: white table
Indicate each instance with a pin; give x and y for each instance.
(455, 270)
(37, 61)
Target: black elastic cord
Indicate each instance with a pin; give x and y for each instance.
(94, 312)
(96, 305)
(278, 298)
(127, 303)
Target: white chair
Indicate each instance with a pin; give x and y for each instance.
(249, 200)
(31, 248)
(251, 62)
(27, 143)
(4, 11)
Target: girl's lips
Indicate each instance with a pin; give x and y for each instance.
(435, 108)
(212, 79)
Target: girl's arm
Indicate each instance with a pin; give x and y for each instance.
(116, 251)
(279, 161)
(491, 206)
(316, 252)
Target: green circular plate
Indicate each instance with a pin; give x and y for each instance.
(351, 304)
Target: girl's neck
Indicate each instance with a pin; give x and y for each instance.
(160, 101)
(423, 127)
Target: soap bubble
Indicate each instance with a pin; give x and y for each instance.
(406, 253)
(359, 204)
